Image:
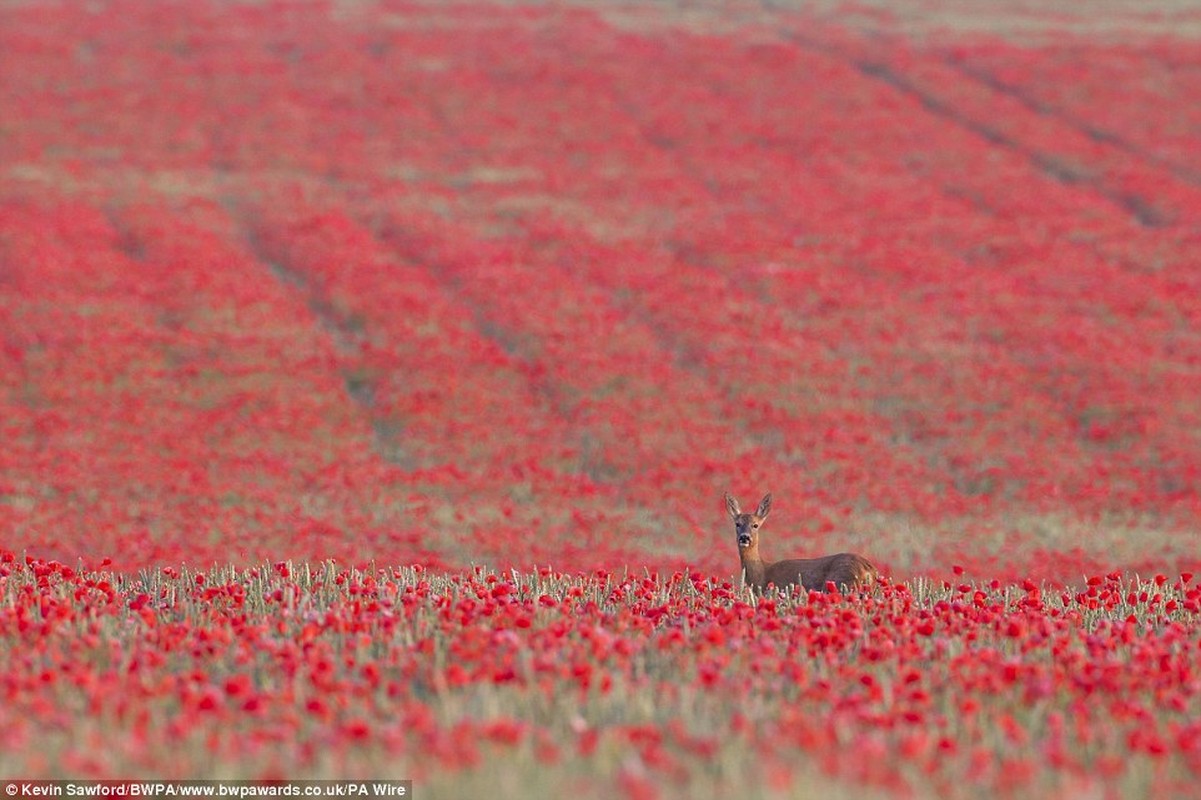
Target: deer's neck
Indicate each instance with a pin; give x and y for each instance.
(753, 568)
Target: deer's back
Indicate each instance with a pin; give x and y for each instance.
(847, 571)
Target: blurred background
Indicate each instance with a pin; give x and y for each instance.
(522, 284)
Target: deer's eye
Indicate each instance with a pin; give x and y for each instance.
(755, 526)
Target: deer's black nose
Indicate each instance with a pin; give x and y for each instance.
(744, 539)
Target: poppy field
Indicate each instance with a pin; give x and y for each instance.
(372, 371)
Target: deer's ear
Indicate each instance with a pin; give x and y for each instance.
(764, 506)
(732, 505)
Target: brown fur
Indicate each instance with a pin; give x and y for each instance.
(847, 571)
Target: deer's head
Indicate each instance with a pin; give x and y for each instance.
(746, 526)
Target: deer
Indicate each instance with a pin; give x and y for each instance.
(846, 571)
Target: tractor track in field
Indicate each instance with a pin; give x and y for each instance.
(348, 338)
(484, 324)
(1099, 135)
(1137, 208)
